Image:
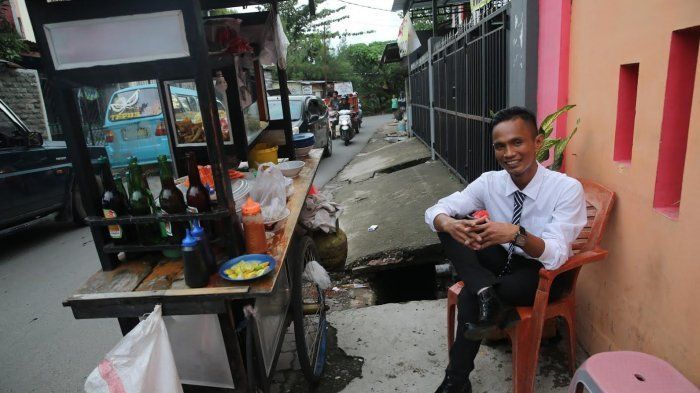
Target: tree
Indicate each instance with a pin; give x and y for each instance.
(309, 55)
(11, 44)
(376, 82)
(298, 21)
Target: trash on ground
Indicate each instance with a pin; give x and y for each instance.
(372, 228)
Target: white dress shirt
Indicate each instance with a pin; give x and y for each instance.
(554, 209)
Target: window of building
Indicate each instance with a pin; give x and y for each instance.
(626, 110)
(682, 66)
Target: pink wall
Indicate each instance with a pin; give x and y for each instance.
(553, 59)
(643, 296)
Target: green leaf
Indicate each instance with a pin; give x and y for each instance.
(543, 153)
(548, 123)
(561, 146)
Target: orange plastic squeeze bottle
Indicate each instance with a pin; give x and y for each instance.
(254, 228)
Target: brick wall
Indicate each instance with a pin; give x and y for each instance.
(21, 91)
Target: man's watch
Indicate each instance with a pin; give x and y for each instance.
(520, 237)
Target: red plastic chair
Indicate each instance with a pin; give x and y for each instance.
(526, 335)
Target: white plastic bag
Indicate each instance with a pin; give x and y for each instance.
(270, 191)
(199, 350)
(316, 273)
(142, 362)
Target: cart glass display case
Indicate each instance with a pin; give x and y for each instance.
(186, 118)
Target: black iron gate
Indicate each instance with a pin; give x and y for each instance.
(469, 84)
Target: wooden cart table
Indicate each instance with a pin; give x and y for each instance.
(135, 287)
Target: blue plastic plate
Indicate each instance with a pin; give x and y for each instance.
(248, 258)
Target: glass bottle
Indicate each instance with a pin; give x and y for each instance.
(114, 204)
(144, 183)
(171, 202)
(198, 200)
(142, 205)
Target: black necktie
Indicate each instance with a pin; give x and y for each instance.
(518, 199)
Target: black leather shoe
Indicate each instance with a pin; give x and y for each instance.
(492, 313)
(454, 384)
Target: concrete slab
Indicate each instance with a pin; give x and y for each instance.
(384, 157)
(396, 203)
(405, 350)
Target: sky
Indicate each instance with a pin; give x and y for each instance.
(385, 24)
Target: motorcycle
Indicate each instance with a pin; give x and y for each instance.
(333, 121)
(347, 125)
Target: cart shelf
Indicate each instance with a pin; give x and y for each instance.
(135, 287)
(151, 218)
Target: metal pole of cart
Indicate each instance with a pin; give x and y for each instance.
(284, 99)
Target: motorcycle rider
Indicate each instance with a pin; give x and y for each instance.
(335, 100)
(358, 108)
(344, 103)
(332, 104)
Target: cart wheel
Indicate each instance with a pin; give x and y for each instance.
(308, 312)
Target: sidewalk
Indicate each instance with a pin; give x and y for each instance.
(390, 185)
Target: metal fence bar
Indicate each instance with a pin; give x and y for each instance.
(456, 86)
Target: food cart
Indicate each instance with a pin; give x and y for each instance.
(87, 43)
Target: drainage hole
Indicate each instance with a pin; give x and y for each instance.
(639, 377)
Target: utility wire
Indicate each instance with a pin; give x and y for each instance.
(365, 6)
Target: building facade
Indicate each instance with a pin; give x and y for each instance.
(632, 72)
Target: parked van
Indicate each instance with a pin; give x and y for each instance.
(135, 125)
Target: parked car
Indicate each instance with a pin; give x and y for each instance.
(135, 126)
(309, 114)
(36, 178)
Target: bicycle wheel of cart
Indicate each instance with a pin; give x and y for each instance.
(308, 313)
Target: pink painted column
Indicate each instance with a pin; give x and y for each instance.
(553, 59)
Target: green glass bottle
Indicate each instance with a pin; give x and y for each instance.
(144, 182)
(171, 202)
(142, 205)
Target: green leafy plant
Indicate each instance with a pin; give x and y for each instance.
(558, 144)
(11, 44)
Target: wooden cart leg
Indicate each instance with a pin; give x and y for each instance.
(233, 350)
(126, 324)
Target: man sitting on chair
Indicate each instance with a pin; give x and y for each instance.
(535, 215)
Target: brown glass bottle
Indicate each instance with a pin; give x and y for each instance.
(198, 200)
(114, 204)
(171, 202)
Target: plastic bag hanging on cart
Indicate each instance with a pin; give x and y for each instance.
(314, 272)
(199, 350)
(142, 362)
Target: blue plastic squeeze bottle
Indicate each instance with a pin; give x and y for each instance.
(196, 271)
(205, 247)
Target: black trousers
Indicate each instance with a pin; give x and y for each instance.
(479, 269)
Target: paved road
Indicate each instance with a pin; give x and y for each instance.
(343, 154)
(42, 347)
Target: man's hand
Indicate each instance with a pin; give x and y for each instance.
(492, 233)
(463, 231)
